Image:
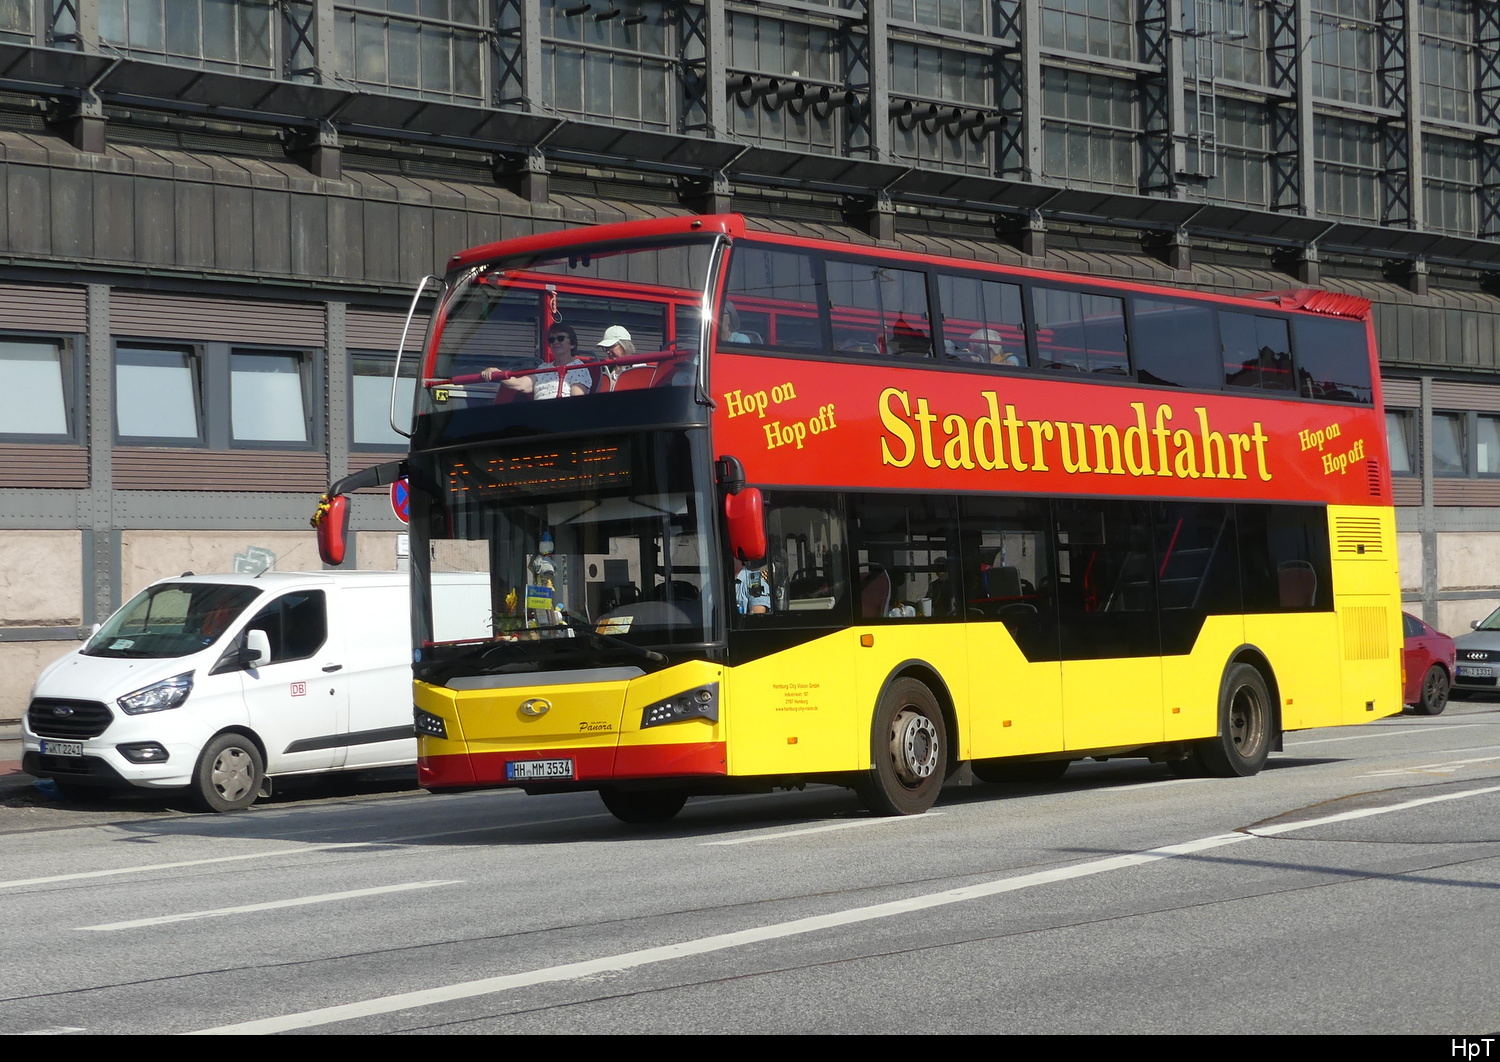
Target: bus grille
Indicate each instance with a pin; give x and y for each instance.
(56, 717)
(1359, 535)
(1366, 633)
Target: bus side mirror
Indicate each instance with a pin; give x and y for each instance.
(746, 515)
(332, 524)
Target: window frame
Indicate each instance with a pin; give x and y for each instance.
(194, 353)
(309, 377)
(389, 358)
(74, 388)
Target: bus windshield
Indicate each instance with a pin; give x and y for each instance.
(588, 321)
(564, 554)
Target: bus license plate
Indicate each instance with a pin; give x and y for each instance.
(536, 770)
(1476, 672)
(62, 748)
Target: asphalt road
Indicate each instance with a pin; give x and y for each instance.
(1350, 888)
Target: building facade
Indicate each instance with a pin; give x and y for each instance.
(214, 213)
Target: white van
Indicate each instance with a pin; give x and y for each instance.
(218, 683)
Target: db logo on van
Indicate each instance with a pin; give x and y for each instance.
(299, 689)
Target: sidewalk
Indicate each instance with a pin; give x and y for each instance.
(11, 775)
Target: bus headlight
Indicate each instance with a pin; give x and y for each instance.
(429, 724)
(701, 702)
(168, 693)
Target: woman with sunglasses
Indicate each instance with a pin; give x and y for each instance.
(562, 341)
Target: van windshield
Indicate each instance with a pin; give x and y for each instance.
(171, 619)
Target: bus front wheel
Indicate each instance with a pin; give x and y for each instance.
(643, 806)
(1246, 721)
(908, 749)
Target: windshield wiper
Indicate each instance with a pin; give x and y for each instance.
(609, 639)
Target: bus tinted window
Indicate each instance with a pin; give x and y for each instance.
(1106, 579)
(1175, 343)
(804, 581)
(1078, 332)
(775, 298)
(878, 310)
(1284, 558)
(1008, 571)
(906, 558)
(1257, 352)
(982, 320)
(1332, 360)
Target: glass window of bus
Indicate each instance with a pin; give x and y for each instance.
(1106, 579)
(1008, 571)
(565, 554)
(1333, 360)
(1257, 352)
(1197, 558)
(1284, 558)
(1175, 343)
(775, 296)
(906, 558)
(1079, 332)
(804, 581)
(878, 309)
(982, 320)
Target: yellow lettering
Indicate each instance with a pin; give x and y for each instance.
(897, 427)
(1101, 433)
(956, 452)
(1137, 457)
(1039, 428)
(989, 426)
(1081, 464)
(1211, 440)
(1187, 454)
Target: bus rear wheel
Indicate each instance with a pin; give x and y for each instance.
(643, 806)
(1245, 726)
(908, 751)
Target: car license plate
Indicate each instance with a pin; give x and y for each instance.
(1476, 672)
(535, 770)
(62, 748)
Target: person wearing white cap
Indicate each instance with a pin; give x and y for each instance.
(989, 345)
(616, 342)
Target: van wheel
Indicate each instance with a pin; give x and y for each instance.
(1001, 772)
(908, 750)
(1245, 723)
(643, 806)
(229, 774)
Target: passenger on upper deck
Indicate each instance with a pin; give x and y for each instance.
(990, 346)
(563, 342)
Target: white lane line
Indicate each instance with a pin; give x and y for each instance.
(405, 838)
(269, 905)
(1368, 737)
(56, 1030)
(1430, 768)
(816, 829)
(720, 942)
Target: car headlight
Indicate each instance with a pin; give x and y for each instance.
(168, 693)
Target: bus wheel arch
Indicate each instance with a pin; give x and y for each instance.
(1248, 722)
(911, 743)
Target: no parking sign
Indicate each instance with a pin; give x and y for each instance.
(401, 499)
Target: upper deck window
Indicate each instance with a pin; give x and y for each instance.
(1175, 343)
(1080, 332)
(877, 309)
(1257, 352)
(776, 296)
(982, 320)
(1333, 360)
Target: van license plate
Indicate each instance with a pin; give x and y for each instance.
(1476, 672)
(62, 748)
(533, 770)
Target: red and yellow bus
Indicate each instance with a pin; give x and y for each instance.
(840, 514)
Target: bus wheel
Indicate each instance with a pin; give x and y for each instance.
(1434, 692)
(909, 750)
(1000, 772)
(641, 806)
(229, 774)
(1244, 738)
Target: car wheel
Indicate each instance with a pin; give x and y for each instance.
(908, 751)
(1245, 723)
(643, 806)
(1001, 772)
(1435, 689)
(229, 774)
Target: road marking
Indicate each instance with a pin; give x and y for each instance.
(269, 905)
(56, 1030)
(817, 829)
(1431, 768)
(723, 941)
(1403, 729)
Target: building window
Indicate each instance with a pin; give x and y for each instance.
(618, 70)
(1348, 166)
(966, 16)
(1089, 129)
(157, 395)
(370, 385)
(1400, 438)
(1487, 445)
(1345, 47)
(232, 35)
(1447, 36)
(268, 397)
(41, 370)
(1235, 30)
(387, 44)
(1451, 169)
(768, 48)
(1090, 27)
(1244, 146)
(1449, 446)
(945, 87)
(16, 21)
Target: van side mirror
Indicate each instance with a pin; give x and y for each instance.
(257, 649)
(745, 512)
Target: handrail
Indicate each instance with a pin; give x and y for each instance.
(401, 347)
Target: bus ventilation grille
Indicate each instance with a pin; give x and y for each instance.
(1365, 633)
(1372, 475)
(1358, 535)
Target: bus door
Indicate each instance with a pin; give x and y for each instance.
(1110, 638)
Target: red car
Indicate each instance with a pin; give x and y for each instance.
(1428, 663)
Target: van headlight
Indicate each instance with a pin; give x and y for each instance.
(168, 693)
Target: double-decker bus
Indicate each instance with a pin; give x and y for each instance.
(841, 514)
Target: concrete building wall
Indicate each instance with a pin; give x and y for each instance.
(41, 578)
(146, 556)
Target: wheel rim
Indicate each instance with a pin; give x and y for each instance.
(914, 746)
(233, 774)
(1247, 721)
(1436, 693)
